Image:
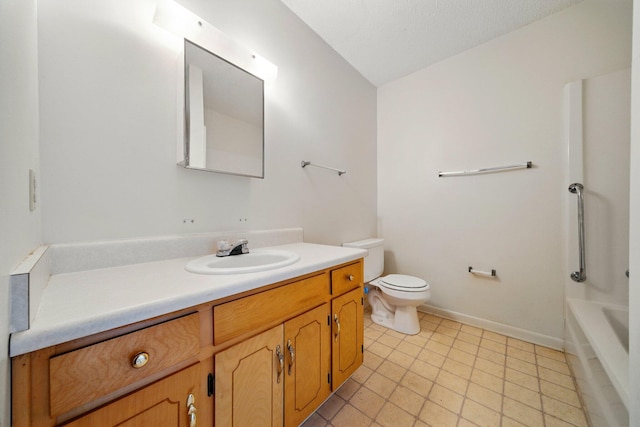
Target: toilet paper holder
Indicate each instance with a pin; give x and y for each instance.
(491, 273)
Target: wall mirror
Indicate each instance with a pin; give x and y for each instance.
(223, 115)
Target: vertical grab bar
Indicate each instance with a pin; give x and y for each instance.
(579, 276)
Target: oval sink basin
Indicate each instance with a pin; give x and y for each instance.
(256, 260)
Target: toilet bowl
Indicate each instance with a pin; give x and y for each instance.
(393, 298)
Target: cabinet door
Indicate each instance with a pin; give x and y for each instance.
(163, 403)
(249, 382)
(308, 364)
(347, 315)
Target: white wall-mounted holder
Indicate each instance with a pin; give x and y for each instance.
(491, 273)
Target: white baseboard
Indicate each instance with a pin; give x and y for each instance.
(511, 331)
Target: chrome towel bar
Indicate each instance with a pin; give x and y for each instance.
(526, 165)
(340, 171)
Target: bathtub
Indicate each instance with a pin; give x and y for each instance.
(598, 351)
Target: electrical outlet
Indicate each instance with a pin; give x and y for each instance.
(32, 190)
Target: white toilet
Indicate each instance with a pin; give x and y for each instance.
(393, 298)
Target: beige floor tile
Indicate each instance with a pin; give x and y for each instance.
(367, 402)
(521, 354)
(441, 338)
(361, 374)
(493, 345)
(401, 359)
(331, 407)
(452, 382)
(508, 422)
(522, 379)
(480, 414)
(523, 395)
(493, 356)
(446, 398)
(494, 336)
(417, 340)
(484, 396)
(560, 393)
(392, 416)
(347, 389)
(451, 374)
(556, 377)
(425, 369)
(490, 367)
(522, 366)
(564, 412)
(391, 370)
(417, 383)
(451, 324)
(437, 347)
(471, 330)
(315, 420)
(349, 416)
(553, 364)
(380, 349)
(408, 348)
(457, 368)
(550, 353)
(437, 416)
(372, 361)
(466, 423)
(465, 346)
(444, 330)
(468, 337)
(487, 380)
(408, 400)
(519, 344)
(389, 341)
(522, 413)
(431, 357)
(461, 356)
(381, 385)
(554, 422)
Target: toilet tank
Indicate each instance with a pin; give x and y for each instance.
(374, 261)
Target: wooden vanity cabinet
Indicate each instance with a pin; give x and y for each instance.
(274, 355)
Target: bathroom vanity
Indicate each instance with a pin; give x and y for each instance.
(256, 352)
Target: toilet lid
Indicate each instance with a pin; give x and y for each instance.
(402, 282)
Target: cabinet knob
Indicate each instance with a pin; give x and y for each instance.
(350, 277)
(140, 359)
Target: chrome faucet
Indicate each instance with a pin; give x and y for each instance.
(238, 248)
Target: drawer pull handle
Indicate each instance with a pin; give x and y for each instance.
(191, 410)
(350, 277)
(140, 359)
(280, 357)
(292, 355)
(335, 318)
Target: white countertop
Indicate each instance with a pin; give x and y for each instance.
(75, 305)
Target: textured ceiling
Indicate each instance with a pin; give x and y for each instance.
(388, 39)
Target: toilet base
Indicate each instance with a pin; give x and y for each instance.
(400, 319)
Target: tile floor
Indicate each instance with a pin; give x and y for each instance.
(451, 374)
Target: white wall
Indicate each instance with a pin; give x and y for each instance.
(20, 230)
(497, 104)
(108, 126)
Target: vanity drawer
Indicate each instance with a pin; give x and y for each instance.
(346, 278)
(83, 375)
(235, 318)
